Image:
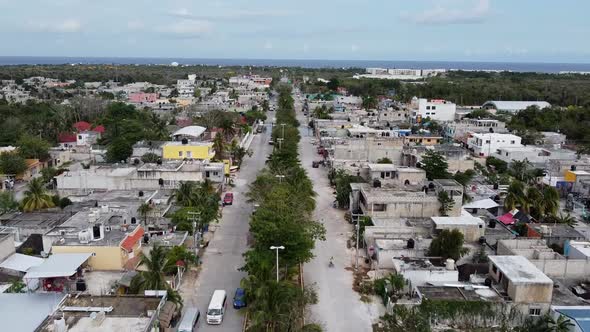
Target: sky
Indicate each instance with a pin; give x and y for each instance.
(420, 30)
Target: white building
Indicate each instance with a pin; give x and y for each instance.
(535, 155)
(436, 109)
(421, 272)
(485, 144)
(513, 106)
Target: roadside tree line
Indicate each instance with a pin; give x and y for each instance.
(286, 200)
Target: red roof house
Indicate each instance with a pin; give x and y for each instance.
(82, 126)
(66, 138)
(132, 239)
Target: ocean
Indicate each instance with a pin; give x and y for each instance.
(509, 66)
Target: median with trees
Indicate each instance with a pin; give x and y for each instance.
(275, 295)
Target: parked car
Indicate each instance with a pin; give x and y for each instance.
(271, 142)
(315, 164)
(228, 199)
(239, 298)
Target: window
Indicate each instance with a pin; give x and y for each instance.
(79, 136)
(534, 311)
(189, 154)
(511, 142)
(487, 141)
(379, 207)
(427, 107)
(180, 153)
(433, 113)
(215, 173)
(433, 107)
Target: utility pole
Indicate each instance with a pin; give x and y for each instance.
(280, 140)
(195, 217)
(277, 251)
(358, 234)
(283, 130)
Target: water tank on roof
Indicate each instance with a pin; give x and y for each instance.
(59, 325)
(573, 167)
(84, 236)
(411, 244)
(450, 264)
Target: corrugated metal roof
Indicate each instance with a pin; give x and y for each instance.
(20, 262)
(57, 265)
(193, 131)
(25, 312)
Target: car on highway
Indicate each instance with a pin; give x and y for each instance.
(239, 298)
(228, 199)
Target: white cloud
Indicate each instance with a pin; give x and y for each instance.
(230, 14)
(64, 26)
(186, 28)
(472, 13)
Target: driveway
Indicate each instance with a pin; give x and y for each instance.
(223, 257)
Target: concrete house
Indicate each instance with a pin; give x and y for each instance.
(523, 282)
(484, 145)
(406, 201)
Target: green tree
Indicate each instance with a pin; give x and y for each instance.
(12, 164)
(446, 203)
(448, 244)
(498, 165)
(153, 274)
(464, 178)
(63, 202)
(48, 173)
(150, 157)
(197, 93)
(219, 146)
(435, 165)
(403, 319)
(184, 193)
(179, 254)
(516, 196)
(144, 209)
(384, 160)
(36, 197)
(119, 150)
(16, 286)
(333, 84)
(369, 102)
(7, 202)
(33, 147)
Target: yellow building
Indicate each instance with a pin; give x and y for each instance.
(109, 256)
(191, 150)
(422, 140)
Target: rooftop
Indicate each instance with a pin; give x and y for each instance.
(520, 270)
(33, 219)
(466, 219)
(190, 143)
(57, 265)
(25, 312)
(122, 313)
(464, 293)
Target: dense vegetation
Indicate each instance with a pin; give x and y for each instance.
(286, 201)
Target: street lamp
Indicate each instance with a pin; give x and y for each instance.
(280, 177)
(277, 250)
(283, 129)
(280, 140)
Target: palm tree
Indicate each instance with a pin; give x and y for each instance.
(227, 126)
(515, 196)
(564, 219)
(36, 197)
(534, 202)
(218, 146)
(153, 277)
(520, 170)
(7, 202)
(143, 210)
(184, 193)
(550, 200)
(562, 324)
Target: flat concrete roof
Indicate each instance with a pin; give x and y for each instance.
(465, 219)
(25, 312)
(520, 270)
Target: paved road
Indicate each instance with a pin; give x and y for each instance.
(223, 257)
(339, 307)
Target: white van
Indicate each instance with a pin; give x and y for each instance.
(216, 307)
(189, 320)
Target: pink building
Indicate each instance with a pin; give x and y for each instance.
(142, 97)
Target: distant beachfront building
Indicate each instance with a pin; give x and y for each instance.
(513, 106)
